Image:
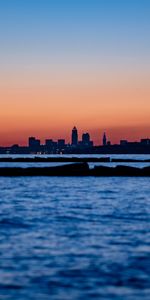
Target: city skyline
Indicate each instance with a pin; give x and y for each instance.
(83, 62)
(78, 146)
(76, 140)
(68, 138)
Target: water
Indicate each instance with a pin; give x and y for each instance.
(74, 238)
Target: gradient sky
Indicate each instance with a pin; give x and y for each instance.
(74, 62)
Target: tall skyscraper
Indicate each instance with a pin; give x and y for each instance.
(104, 139)
(74, 137)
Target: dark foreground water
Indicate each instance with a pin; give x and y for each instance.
(74, 238)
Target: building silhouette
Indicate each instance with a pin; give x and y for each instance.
(33, 142)
(145, 141)
(123, 142)
(85, 139)
(49, 143)
(61, 144)
(86, 142)
(74, 137)
(83, 146)
(104, 139)
(50, 146)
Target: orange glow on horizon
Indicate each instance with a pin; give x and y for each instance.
(49, 107)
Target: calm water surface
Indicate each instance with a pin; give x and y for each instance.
(74, 238)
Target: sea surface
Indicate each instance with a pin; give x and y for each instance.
(74, 238)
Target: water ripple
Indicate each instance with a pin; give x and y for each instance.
(74, 238)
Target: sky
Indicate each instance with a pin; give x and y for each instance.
(83, 63)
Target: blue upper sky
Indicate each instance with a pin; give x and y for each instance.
(85, 62)
(71, 31)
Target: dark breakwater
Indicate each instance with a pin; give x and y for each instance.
(72, 159)
(78, 169)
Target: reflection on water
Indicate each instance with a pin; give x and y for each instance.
(70, 238)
